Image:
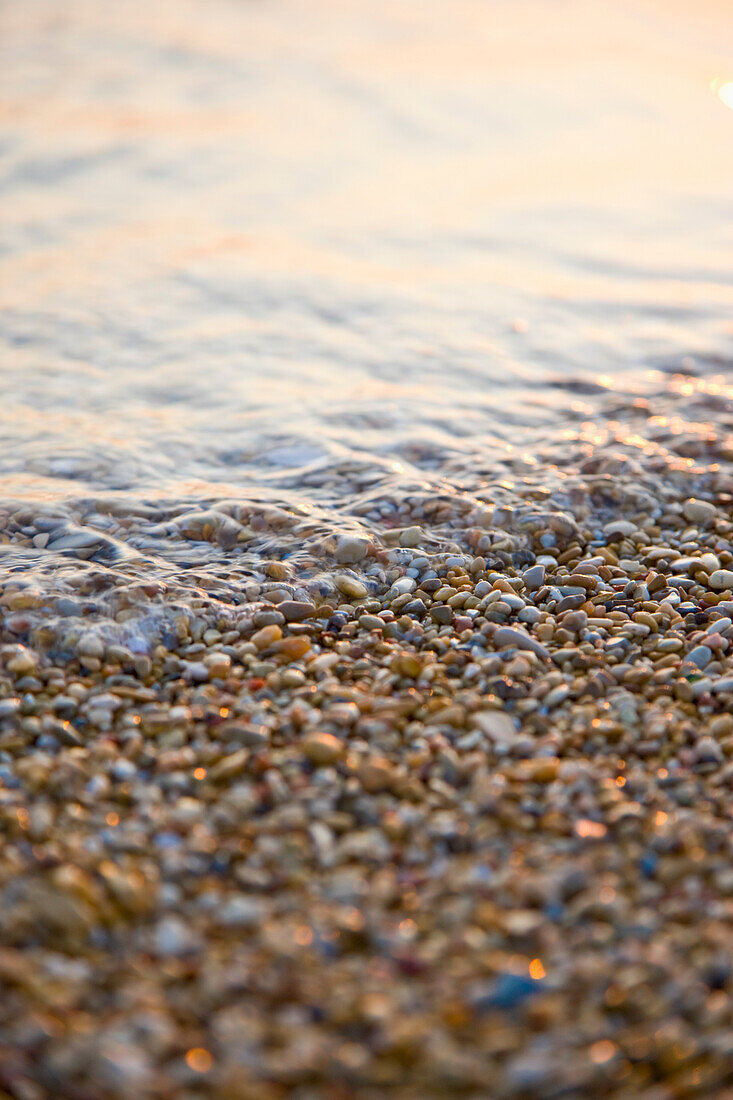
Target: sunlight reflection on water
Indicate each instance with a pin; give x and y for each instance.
(235, 248)
(725, 92)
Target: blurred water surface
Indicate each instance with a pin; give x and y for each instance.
(251, 246)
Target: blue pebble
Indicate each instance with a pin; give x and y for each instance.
(648, 864)
(168, 840)
(7, 779)
(506, 992)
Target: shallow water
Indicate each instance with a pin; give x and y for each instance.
(325, 256)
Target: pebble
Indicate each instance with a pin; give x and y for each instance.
(310, 800)
(411, 536)
(620, 528)
(699, 511)
(253, 737)
(90, 645)
(173, 936)
(510, 636)
(534, 577)
(498, 726)
(725, 683)
(266, 636)
(401, 588)
(351, 586)
(721, 579)
(507, 991)
(351, 549)
(701, 656)
(296, 611)
(708, 751)
(241, 911)
(322, 749)
(575, 621)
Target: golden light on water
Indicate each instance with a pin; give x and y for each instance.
(724, 91)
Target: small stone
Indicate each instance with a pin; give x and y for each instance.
(401, 587)
(701, 656)
(90, 645)
(351, 586)
(351, 549)
(505, 992)
(292, 649)
(376, 775)
(268, 616)
(708, 751)
(541, 769)
(534, 577)
(296, 611)
(9, 707)
(242, 733)
(23, 662)
(266, 637)
(574, 621)
(229, 766)
(724, 684)
(507, 636)
(241, 911)
(371, 622)
(196, 672)
(322, 749)
(557, 696)
(172, 936)
(406, 664)
(700, 512)
(619, 528)
(218, 664)
(276, 570)
(411, 537)
(721, 579)
(719, 626)
(498, 726)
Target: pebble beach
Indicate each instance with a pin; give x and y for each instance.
(443, 809)
(366, 550)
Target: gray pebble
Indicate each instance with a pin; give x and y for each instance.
(241, 911)
(701, 656)
(708, 751)
(351, 548)
(511, 636)
(534, 577)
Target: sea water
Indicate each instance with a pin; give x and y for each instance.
(317, 260)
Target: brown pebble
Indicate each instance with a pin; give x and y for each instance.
(322, 749)
(266, 637)
(296, 611)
